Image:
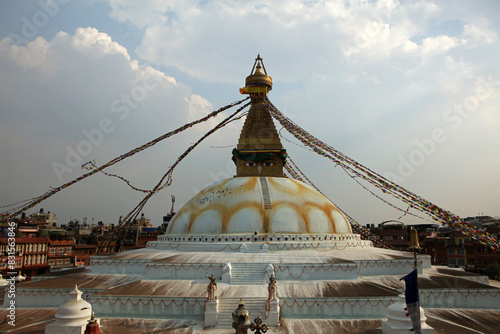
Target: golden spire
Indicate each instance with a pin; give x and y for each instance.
(258, 83)
(259, 151)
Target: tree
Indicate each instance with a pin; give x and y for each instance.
(492, 271)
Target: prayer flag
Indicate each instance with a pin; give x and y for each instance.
(411, 297)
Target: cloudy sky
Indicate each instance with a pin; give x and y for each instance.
(408, 88)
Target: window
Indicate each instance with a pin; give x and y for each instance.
(28, 260)
(60, 250)
(68, 249)
(66, 260)
(52, 250)
(60, 261)
(461, 262)
(453, 262)
(35, 259)
(4, 248)
(29, 248)
(460, 251)
(451, 251)
(52, 262)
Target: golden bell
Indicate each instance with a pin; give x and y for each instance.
(414, 239)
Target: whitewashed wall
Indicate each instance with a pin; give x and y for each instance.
(118, 266)
(44, 297)
(187, 271)
(320, 271)
(335, 308)
(148, 307)
(462, 298)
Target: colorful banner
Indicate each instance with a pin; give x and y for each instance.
(355, 169)
(164, 182)
(36, 200)
(357, 228)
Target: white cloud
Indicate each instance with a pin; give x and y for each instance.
(198, 107)
(478, 34)
(207, 40)
(95, 104)
(35, 55)
(141, 13)
(96, 44)
(433, 45)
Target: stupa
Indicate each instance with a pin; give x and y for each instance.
(259, 198)
(273, 242)
(72, 316)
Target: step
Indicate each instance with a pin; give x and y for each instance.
(254, 248)
(248, 273)
(255, 306)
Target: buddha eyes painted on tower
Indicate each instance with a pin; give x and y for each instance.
(254, 164)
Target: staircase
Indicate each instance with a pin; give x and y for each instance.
(248, 273)
(251, 247)
(256, 308)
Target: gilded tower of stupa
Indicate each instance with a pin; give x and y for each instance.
(259, 151)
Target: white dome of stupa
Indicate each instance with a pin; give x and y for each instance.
(263, 204)
(72, 316)
(75, 309)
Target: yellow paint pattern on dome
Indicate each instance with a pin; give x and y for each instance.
(292, 203)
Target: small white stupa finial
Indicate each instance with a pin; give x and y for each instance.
(76, 294)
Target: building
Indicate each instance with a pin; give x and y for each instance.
(61, 249)
(394, 234)
(146, 234)
(436, 246)
(446, 247)
(83, 254)
(44, 220)
(31, 256)
(84, 233)
(456, 250)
